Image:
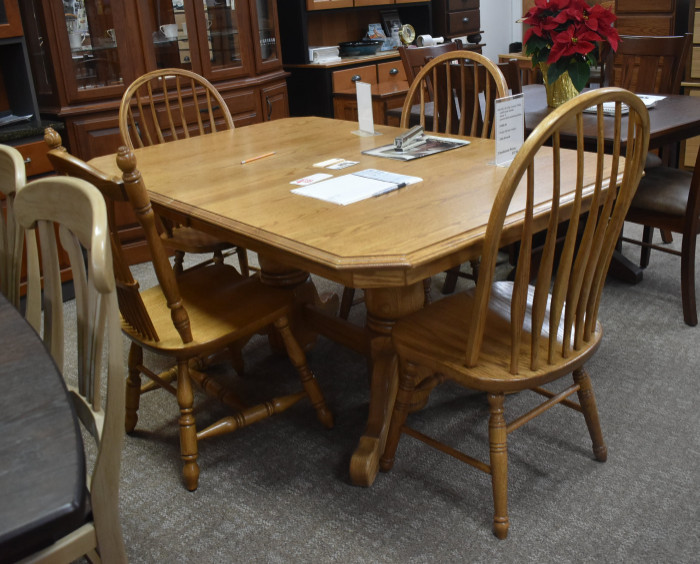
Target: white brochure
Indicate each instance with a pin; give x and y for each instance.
(510, 127)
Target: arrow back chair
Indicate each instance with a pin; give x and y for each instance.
(504, 337)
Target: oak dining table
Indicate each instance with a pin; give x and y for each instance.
(385, 245)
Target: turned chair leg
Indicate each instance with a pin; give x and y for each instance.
(690, 314)
(590, 413)
(133, 387)
(498, 454)
(188, 429)
(179, 261)
(298, 358)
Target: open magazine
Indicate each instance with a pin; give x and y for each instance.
(428, 145)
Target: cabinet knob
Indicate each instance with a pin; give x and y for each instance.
(465, 20)
(28, 160)
(394, 71)
(356, 77)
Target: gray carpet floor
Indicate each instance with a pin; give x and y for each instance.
(280, 492)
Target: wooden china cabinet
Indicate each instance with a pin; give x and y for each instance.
(84, 54)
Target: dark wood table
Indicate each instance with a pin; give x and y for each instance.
(42, 478)
(671, 120)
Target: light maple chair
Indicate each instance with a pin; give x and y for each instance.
(503, 337)
(668, 199)
(12, 239)
(166, 105)
(188, 318)
(80, 213)
(452, 82)
(449, 87)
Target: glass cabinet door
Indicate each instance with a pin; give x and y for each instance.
(265, 33)
(205, 36)
(223, 28)
(93, 44)
(169, 29)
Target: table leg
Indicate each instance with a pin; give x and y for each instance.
(384, 307)
(274, 273)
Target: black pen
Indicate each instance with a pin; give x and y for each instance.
(390, 189)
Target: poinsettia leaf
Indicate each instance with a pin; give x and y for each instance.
(579, 72)
(555, 70)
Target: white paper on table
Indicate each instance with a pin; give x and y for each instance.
(510, 127)
(364, 107)
(351, 188)
(609, 107)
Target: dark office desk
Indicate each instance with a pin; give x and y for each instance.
(42, 477)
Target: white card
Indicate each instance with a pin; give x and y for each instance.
(311, 179)
(510, 127)
(364, 107)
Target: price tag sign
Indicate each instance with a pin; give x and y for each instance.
(510, 127)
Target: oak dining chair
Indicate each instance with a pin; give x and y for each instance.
(504, 337)
(453, 82)
(166, 105)
(13, 237)
(458, 90)
(98, 385)
(187, 319)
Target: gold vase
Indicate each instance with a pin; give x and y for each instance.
(559, 92)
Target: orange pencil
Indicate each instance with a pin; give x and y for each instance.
(251, 159)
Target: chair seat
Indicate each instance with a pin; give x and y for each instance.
(191, 240)
(663, 190)
(440, 331)
(203, 290)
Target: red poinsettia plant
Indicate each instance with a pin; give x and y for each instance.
(564, 34)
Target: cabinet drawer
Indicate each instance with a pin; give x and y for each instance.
(391, 72)
(462, 23)
(457, 5)
(35, 157)
(644, 6)
(346, 79)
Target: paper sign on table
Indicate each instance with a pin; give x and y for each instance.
(364, 108)
(510, 127)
